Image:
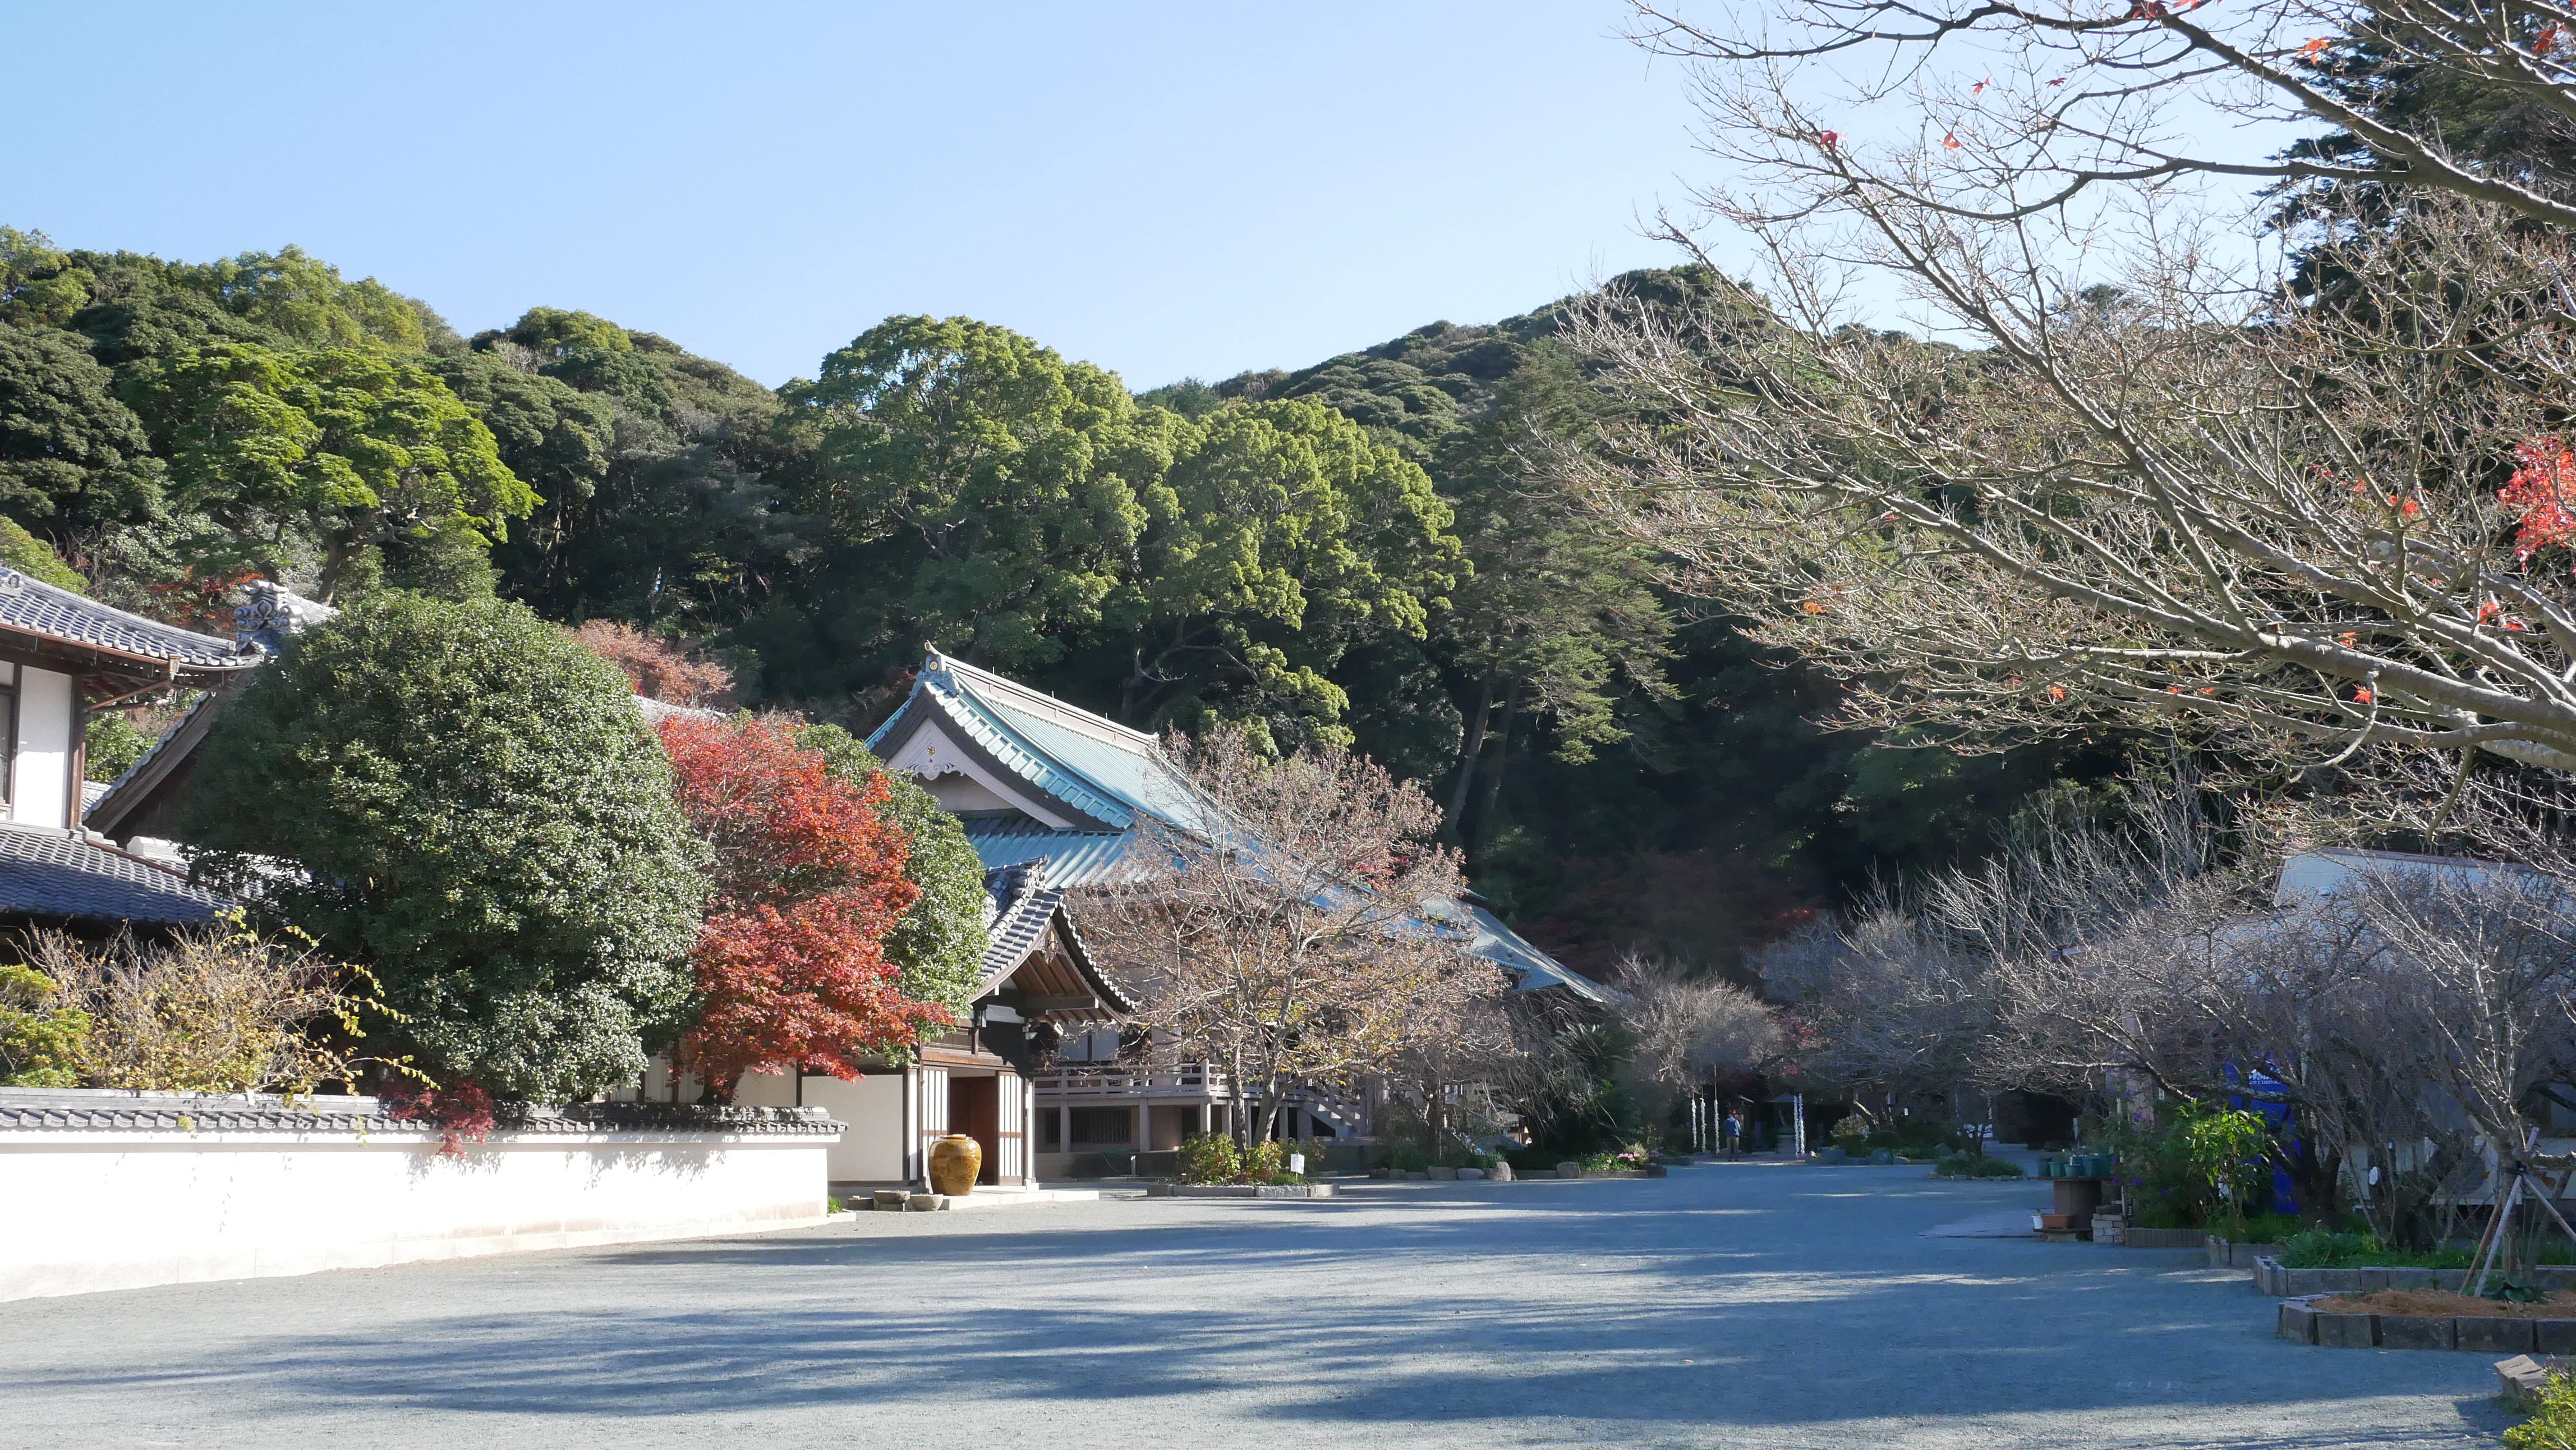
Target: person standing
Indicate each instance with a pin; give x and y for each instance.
(1734, 1131)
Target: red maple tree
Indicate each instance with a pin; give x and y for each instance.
(790, 963)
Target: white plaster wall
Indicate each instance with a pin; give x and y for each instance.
(871, 1149)
(39, 793)
(86, 1211)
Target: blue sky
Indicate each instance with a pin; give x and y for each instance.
(1164, 189)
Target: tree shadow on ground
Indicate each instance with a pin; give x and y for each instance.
(1556, 1308)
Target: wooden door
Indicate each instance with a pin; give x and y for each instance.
(974, 1109)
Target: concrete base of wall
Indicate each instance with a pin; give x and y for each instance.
(114, 1190)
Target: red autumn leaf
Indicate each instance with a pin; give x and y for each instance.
(1830, 140)
(1950, 142)
(1980, 87)
(790, 962)
(2057, 692)
(2538, 495)
(2362, 697)
(2313, 48)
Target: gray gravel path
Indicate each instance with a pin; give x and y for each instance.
(1758, 1305)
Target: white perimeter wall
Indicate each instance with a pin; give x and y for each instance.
(85, 1211)
(871, 1150)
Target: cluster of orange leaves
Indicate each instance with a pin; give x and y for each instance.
(655, 667)
(790, 963)
(2537, 495)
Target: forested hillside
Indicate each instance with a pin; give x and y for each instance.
(1362, 550)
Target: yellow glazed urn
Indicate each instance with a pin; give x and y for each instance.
(954, 1162)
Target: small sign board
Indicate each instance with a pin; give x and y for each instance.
(1296, 1162)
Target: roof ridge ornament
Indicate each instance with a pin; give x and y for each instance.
(272, 614)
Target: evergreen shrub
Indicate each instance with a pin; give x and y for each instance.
(464, 800)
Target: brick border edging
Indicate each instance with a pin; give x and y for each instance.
(2300, 1322)
(2280, 1283)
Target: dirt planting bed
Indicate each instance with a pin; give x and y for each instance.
(2430, 1319)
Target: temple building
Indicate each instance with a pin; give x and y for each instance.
(1038, 783)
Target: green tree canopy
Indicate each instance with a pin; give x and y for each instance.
(1010, 477)
(71, 453)
(676, 525)
(1281, 534)
(304, 298)
(336, 458)
(481, 817)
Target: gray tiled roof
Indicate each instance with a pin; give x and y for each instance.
(1025, 899)
(30, 606)
(91, 1110)
(1021, 908)
(1074, 858)
(54, 874)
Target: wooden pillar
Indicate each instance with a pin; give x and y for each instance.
(1144, 1125)
(1063, 1127)
(1207, 1119)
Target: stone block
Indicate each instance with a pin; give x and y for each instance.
(1658, 1170)
(2409, 1278)
(1443, 1175)
(2494, 1334)
(1417, 1177)
(2553, 1336)
(1470, 1175)
(2298, 1322)
(1883, 1156)
(926, 1202)
(2522, 1378)
(891, 1198)
(2368, 1281)
(1569, 1170)
(1502, 1173)
(2307, 1281)
(2267, 1278)
(2348, 1331)
(1836, 1155)
(2418, 1331)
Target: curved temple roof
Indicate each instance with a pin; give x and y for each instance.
(1103, 778)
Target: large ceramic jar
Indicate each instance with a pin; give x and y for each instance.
(954, 1162)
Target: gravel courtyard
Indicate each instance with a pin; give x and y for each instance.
(1749, 1304)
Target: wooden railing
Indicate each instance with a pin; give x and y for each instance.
(1185, 1081)
(1122, 1082)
